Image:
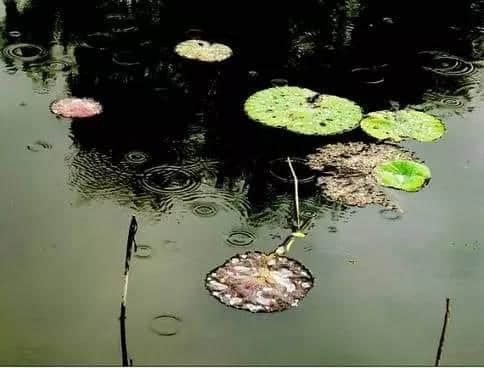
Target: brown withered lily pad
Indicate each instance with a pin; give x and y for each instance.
(347, 171)
(260, 282)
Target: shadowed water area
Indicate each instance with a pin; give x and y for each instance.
(173, 148)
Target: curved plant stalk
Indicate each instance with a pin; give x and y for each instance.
(296, 194)
(286, 245)
(300, 228)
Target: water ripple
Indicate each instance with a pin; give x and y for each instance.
(26, 52)
(445, 64)
(167, 179)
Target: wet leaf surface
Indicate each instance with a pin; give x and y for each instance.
(403, 124)
(303, 111)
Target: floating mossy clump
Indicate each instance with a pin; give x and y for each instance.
(303, 111)
(403, 124)
(203, 51)
(402, 174)
(347, 171)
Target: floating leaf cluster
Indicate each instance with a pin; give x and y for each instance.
(303, 111)
(260, 282)
(203, 51)
(403, 124)
(347, 171)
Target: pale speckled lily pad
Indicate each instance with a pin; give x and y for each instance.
(403, 124)
(402, 174)
(203, 51)
(303, 111)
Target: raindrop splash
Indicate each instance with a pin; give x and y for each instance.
(392, 214)
(445, 65)
(240, 238)
(39, 146)
(279, 82)
(204, 209)
(279, 170)
(369, 76)
(169, 180)
(137, 157)
(166, 325)
(15, 34)
(143, 251)
(26, 52)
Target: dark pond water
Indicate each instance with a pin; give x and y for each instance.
(173, 148)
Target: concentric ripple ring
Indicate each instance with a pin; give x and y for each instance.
(25, 52)
(169, 180)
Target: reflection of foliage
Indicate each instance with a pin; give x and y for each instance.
(278, 209)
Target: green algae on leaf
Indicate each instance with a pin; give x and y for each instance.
(203, 51)
(303, 111)
(402, 174)
(403, 124)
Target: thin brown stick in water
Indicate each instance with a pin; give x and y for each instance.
(133, 227)
(296, 193)
(442, 335)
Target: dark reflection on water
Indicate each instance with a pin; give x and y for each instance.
(173, 143)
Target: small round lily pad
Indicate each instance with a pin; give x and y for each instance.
(203, 51)
(402, 174)
(303, 111)
(403, 124)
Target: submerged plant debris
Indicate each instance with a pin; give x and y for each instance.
(203, 51)
(260, 282)
(303, 111)
(402, 174)
(76, 107)
(403, 124)
(347, 171)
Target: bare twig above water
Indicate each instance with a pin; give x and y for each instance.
(296, 193)
(133, 227)
(442, 335)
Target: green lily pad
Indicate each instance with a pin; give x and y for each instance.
(402, 174)
(403, 124)
(303, 111)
